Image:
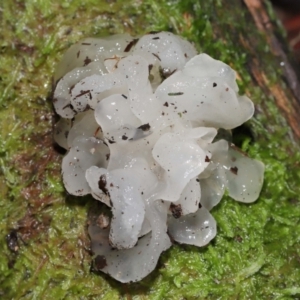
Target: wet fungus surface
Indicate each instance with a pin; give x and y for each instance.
(139, 119)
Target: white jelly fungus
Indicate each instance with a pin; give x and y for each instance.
(139, 119)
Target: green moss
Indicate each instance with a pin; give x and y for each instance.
(256, 254)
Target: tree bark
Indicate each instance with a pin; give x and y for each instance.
(287, 101)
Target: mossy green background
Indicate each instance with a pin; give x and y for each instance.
(256, 254)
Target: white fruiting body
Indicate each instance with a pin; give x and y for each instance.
(139, 118)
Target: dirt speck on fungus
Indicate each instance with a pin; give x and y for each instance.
(102, 184)
(86, 61)
(100, 262)
(176, 210)
(234, 170)
(145, 127)
(130, 45)
(207, 159)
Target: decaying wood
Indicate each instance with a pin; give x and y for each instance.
(287, 100)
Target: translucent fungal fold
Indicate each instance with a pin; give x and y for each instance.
(140, 119)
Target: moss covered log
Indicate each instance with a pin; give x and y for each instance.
(45, 251)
